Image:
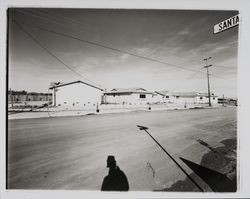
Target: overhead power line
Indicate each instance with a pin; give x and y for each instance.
(225, 67)
(216, 76)
(193, 74)
(120, 51)
(51, 54)
(112, 48)
(57, 17)
(52, 19)
(35, 15)
(64, 18)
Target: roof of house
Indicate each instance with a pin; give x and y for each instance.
(183, 94)
(206, 94)
(228, 98)
(128, 91)
(191, 94)
(164, 93)
(61, 84)
(186, 94)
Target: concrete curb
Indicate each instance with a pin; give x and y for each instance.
(72, 113)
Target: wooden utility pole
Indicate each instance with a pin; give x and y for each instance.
(208, 84)
(54, 89)
(223, 100)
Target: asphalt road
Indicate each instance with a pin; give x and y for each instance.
(71, 152)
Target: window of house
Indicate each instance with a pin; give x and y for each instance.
(142, 96)
(177, 97)
(201, 97)
(167, 96)
(213, 98)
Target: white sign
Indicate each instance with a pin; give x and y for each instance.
(226, 24)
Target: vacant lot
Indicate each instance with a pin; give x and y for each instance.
(71, 152)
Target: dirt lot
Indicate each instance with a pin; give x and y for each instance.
(71, 152)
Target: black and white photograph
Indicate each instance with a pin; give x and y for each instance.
(122, 100)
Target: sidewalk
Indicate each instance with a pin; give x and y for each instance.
(103, 109)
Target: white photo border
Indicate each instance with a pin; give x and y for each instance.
(243, 94)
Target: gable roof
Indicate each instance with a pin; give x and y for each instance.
(184, 94)
(163, 93)
(128, 90)
(206, 95)
(135, 89)
(192, 94)
(59, 84)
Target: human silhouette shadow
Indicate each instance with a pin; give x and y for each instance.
(216, 181)
(116, 180)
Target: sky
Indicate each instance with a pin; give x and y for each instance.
(180, 39)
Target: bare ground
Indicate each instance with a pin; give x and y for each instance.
(71, 152)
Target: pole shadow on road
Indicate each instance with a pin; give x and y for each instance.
(116, 180)
(220, 159)
(216, 181)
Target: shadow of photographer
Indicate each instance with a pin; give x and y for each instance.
(116, 180)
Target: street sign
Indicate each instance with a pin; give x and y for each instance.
(226, 24)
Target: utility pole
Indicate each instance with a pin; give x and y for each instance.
(54, 89)
(223, 100)
(208, 84)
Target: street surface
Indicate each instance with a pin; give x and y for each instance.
(71, 152)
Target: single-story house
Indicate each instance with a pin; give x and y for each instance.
(75, 93)
(163, 97)
(185, 97)
(194, 98)
(228, 101)
(131, 96)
